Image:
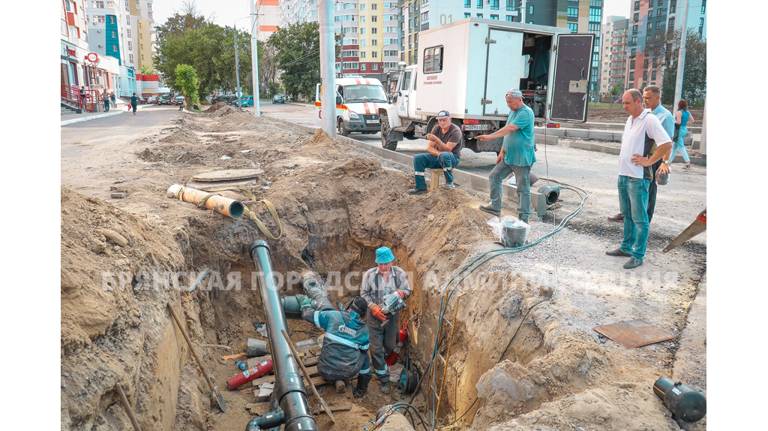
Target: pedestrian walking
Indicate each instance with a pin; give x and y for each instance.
(379, 286)
(134, 103)
(443, 152)
(112, 98)
(652, 101)
(106, 101)
(517, 156)
(82, 98)
(642, 132)
(682, 118)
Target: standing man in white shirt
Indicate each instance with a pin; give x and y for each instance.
(641, 132)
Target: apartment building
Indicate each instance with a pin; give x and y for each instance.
(614, 55)
(370, 36)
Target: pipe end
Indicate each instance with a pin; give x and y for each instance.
(236, 209)
(259, 243)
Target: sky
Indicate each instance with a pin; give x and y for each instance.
(226, 12)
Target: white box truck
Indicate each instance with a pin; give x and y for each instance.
(466, 68)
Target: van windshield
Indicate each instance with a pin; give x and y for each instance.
(364, 93)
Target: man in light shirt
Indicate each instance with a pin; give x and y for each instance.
(642, 132)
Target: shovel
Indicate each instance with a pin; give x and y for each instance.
(215, 395)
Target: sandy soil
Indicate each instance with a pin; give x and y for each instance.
(338, 203)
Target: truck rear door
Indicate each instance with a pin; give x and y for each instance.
(503, 69)
(570, 84)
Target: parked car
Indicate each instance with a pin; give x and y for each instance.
(278, 98)
(152, 100)
(244, 102)
(165, 99)
(178, 100)
(226, 99)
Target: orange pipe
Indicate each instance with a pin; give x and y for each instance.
(220, 204)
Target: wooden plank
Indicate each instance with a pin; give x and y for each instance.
(271, 377)
(258, 409)
(342, 407)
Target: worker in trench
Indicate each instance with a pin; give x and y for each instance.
(385, 288)
(344, 354)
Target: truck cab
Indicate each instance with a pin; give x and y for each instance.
(466, 68)
(358, 101)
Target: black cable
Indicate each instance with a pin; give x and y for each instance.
(463, 414)
(518, 329)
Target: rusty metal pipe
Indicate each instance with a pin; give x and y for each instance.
(220, 204)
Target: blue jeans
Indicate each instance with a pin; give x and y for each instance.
(679, 145)
(446, 160)
(633, 201)
(523, 182)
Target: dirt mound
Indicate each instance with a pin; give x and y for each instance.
(215, 107)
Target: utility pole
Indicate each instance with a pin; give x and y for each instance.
(523, 6)
(238, 92)
(328, 66)
(683, 9)
(255, 58)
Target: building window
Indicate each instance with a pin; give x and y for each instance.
(467, 15)
(467, 3)
(510, 5)
(363, 67)
(374, 54)
(494, 17)
(480, 15)
(374, 6)
(374, 18)
(494, 5)
(510, 18)
(573, 12)
(595, 14)
(433, 59)
(479, 4)
(573, 27)
(374, 42)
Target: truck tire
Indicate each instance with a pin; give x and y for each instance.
(343, 131)
(386, 136)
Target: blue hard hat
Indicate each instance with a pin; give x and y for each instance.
(384, 255)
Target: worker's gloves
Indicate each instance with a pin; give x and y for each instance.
(401, 293)
(304, 302)
(377, 312)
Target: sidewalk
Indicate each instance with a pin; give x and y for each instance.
(72, 118)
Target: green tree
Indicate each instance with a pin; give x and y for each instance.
(209, 48)
(297, 55)
(616, 90)
(146, 70)
(694, 75)
(187, 82)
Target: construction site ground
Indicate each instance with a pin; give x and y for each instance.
(337, 203)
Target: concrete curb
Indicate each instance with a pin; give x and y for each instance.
(102, 115)
(466, 179)
(615, 149)
(90, 117)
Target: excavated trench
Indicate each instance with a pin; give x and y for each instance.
(496, 358)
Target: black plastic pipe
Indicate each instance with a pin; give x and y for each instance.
(289, 390)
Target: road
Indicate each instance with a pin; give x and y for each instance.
(678, 203)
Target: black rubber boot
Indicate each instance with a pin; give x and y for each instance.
(362, 385)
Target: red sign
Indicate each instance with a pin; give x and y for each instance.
(92, 57)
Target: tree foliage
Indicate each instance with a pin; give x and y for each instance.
(188, 84)
(209, 48)
(694, 75)
(297, 55)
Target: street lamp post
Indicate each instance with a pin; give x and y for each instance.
(328, 66)
(238, 92)
(255, 58)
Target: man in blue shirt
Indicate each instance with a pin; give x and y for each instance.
(517, 155)
(652, 101)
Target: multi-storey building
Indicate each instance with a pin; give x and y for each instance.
(298, 11)
(652, 39)
(614, 55)
(270, 16)
(109, 35)
(577, 15)
(370, 36)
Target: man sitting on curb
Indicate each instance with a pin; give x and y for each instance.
(517, 155)
(443, 151)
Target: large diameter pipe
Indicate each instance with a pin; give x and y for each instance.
(316, 290)
(289, 384)
(220, 204)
